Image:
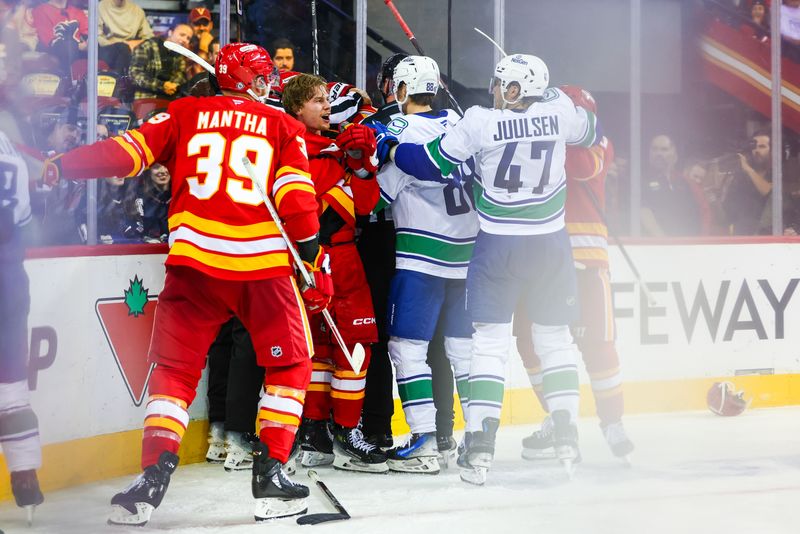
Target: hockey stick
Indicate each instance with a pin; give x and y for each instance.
(185, 52)
(492, 41)
(596, 204)
(356, 359)
(421, 52)
(314, 37)
(316, 519)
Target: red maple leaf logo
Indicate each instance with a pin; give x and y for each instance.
(128, 325)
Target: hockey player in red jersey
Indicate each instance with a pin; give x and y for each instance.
(226, 257)
(335, 387)
(594, 333)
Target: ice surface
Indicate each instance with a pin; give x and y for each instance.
(691, 472)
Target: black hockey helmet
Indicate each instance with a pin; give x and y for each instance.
(387, 69)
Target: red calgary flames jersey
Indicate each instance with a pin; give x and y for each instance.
(218, 223)
(586, 176)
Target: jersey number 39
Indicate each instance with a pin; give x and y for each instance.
(211, 166)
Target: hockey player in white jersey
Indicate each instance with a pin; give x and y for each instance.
(436, 228)
(522, 252)
(19, 427)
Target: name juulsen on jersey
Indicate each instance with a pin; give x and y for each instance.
(526, 127)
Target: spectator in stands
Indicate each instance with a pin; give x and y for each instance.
(117, 218)
(758, 28)
(282, 52)
(669, 203)
(790, 21)
(18, 16)
(750, 188)
(155, 197)
(62, 30)
(121, 22)
(157, 72)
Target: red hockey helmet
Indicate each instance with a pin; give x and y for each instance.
(239, 64)
(723, 399)
(580, 97)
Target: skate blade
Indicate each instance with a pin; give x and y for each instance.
(238, 466)
(344, 463)
(425, 465)
(316, 459)
(447, 458)
(121, 516)
(29, 509)
(273, 508)
(474, 475)
(538, 454)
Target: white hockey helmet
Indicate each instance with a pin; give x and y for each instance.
(419, 73)
(528, 71)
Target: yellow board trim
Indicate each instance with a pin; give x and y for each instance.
(519, 407)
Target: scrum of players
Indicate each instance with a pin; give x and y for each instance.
(503, 204)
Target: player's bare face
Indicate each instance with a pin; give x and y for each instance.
(181, 35)
(316, 112)
(284, 59)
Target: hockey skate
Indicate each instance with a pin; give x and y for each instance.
(316, 441)
(216, 443)
(565, 440)
(239, 449)
(276, 495)
(476, 459)
(25, 487)
(290, 467)
(619, 443)
(539, 445)
(353, 453)
(447, 448)
(134, 505)
(384, 441)
(417, 455)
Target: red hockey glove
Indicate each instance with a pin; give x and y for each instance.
(51, 171)
(318, 297)
(358, 143)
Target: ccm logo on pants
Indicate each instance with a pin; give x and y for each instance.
(364, 320)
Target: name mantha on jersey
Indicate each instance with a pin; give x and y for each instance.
(436, 223)
(521, 159)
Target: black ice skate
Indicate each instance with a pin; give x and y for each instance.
(25, 487)
(276, 495)
(447, 448)
(539, 445)
(565, 440)
(316, 441)
(134, 505)
(476, 459)
(354, 453)
(384, 441)
(418, 454)
(619, 443)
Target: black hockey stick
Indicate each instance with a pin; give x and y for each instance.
(314, 37)
(316, 519)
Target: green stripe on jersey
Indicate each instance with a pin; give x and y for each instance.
(533, 213)
(416, 390)
(434, 248)
(435, 155)
(588, 139)
(380, 205)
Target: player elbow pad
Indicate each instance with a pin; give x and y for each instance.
(308, 249)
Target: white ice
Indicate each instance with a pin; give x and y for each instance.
(691, 473)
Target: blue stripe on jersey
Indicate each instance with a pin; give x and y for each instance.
(529, 222)
(437, 236)
(447, 156)
(385, 196)
(431, 261)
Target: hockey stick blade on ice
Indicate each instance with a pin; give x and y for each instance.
(356, 358)
(315, 519)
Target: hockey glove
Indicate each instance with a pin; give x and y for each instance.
(318, 296)
(358, 143)
(385, 141)
(51, 171)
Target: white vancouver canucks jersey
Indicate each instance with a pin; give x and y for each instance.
(436, 222)
(521, 159)
(14, 185)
